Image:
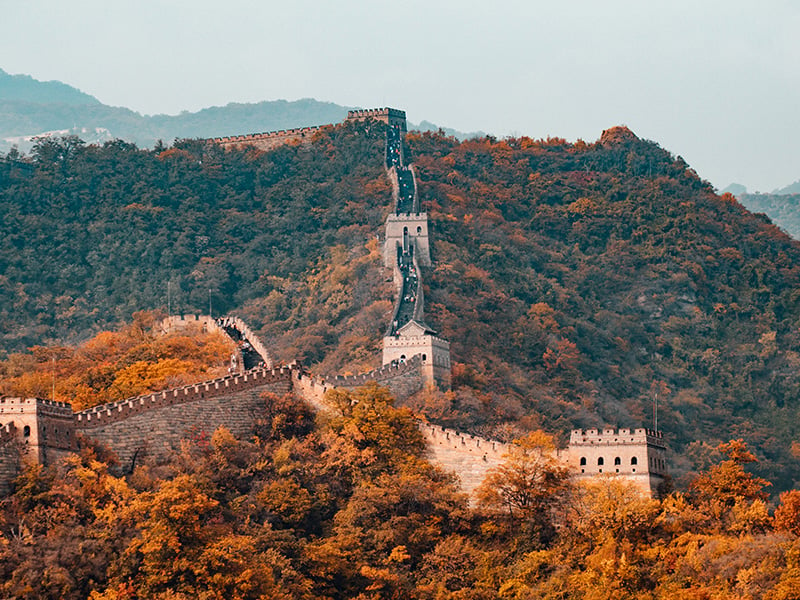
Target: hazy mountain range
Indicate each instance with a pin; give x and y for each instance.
(30, 108)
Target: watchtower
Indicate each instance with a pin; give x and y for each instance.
(638, 455)
(45, 428)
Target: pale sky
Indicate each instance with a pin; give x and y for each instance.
(717, 82)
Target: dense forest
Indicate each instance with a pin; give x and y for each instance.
(346, 507)
(578, 283)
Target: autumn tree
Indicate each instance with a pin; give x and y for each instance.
(527, 489)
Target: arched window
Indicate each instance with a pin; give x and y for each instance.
(424, 357)
(617, 461)
(634, 461)
(583, 461)
(600, 461)
(26, 431)
(419, 229)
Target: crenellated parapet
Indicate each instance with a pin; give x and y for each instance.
(117, 411)
(615, 437)
(381, 374)
(465, 442)
(271, 139)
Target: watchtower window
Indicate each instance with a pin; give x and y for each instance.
(618, 461)
(583, 461)
(634, 461)
(424, 357)
(26, 431)
(419, 229)
(600, 461)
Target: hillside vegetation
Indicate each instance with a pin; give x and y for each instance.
(576, 282)
(348, 508)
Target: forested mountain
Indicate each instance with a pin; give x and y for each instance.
(576, 282)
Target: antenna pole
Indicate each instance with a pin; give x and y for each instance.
(169, 299)
(655, 412)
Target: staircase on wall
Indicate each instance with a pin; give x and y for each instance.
(406, 249)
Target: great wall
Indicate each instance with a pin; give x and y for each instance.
(149, 427)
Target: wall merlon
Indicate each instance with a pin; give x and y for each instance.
(123, 409)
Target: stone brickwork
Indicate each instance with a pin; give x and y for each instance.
(44, 428)
(106, 414)
(470, 457)
(10, 457)
(156, 431)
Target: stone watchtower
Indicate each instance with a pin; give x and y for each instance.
(638, 455)
(45, 428)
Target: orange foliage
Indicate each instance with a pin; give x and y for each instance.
(116, 364)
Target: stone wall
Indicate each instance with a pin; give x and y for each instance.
(10, 457)
(269, 140)
(403, 378)
(468, 456)
(152, 426)
(251, 337)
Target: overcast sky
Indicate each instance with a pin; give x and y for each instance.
(717, 82)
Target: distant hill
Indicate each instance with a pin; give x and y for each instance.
(793, 188)
(737, 189)
(782, 208)
(26, 89)
(31, 108)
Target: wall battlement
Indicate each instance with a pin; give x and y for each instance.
(40, 406)
(380, 374)
(124, 409)
(610, 436)
(465, 442)
(270, 139)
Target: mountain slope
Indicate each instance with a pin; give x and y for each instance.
(576, 282)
